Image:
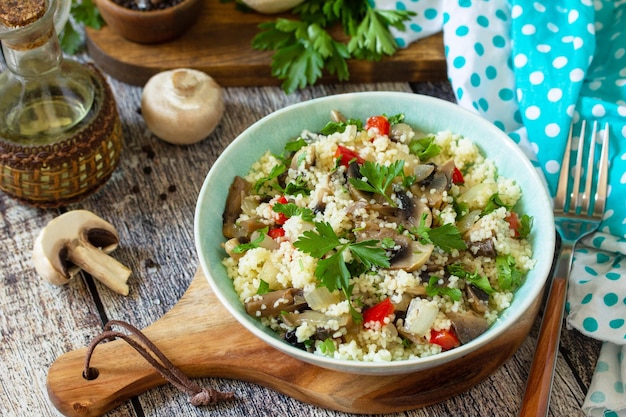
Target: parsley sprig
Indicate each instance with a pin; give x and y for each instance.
(304, 48)
(447, 236)
(378, 178)
(82, 12)
(332, 271)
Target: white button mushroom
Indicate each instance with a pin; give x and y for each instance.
(77, 240)
(182, 106)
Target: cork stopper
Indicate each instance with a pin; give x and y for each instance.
(19, 13)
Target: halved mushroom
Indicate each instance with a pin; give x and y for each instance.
(433, 187)
(484, 247)
(238, 189)
(468, 326)
(353, 171)
(477, 298)
(411, 254)
(275, 302)
(77, 240)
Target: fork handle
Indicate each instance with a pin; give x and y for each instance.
(536, 400)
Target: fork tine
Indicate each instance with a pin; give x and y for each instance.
(590, 169)
(603, 169)
(561, 192)
(575, 195)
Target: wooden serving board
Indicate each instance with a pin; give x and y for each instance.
(201, 338)
(219, 43)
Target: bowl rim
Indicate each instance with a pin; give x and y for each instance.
(548, 237)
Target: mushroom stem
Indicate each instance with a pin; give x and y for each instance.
(99, 265)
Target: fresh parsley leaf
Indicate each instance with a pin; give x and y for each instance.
(327, 347)
(305, 48)
(493, 203)
(473, 278)
(299, 186)
(333, 273)
(388, 243)
(369, 253)
(264, 287)
(86, 12)
(395, 119)
(242, 247)
(291, 210)
(378, 178)
(331, 270)
(318, 243)
(340, 127)
(295, 145)
(82, 12)
(424, 148)
(373, 39)
(274, 173)
(509, 276)
(432, 289)
(447, 237)
(526, 223)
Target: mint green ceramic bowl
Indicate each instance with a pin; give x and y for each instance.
(425, 113)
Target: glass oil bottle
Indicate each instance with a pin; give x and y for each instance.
(60, 133)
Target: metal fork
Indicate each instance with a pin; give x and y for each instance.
(576, 215)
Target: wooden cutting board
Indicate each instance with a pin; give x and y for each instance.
(219, 43)
(201, 338)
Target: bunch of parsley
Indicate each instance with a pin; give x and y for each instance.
(82, 12)
(304, 48)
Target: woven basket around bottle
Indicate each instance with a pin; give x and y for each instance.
(64, 172)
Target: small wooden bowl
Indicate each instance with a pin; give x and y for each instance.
(152, 26)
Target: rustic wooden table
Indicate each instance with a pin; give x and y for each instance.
(151, 200)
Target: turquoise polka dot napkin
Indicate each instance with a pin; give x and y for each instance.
(532, 68)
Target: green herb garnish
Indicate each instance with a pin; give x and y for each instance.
(473, 278)
(447, 236)
(82, 12)
(424, 148)
(432, 289)
(291, 210)
(340, 127)
(378, 178)
(264, 287)
(304, 48)
(332, 271)
(509, 276)
(242, 247)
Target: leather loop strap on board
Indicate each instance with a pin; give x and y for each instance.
(197, 395)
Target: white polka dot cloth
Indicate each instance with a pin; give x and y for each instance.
(532, 67)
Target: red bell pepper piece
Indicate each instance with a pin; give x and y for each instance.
(444, 338)
(457, 176)
(378, 312)
(379, 122)
(276, 232)
(514, 223)
(346, 156)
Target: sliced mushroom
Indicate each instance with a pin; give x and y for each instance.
(238, 189)
(468, 326)
(477, 298)
(411, 254)
(434, 186)
(76, 240)
(274, 303)
(305, 155)
(412, 210)
(315, 318)
(484, 247)
(353, 171)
